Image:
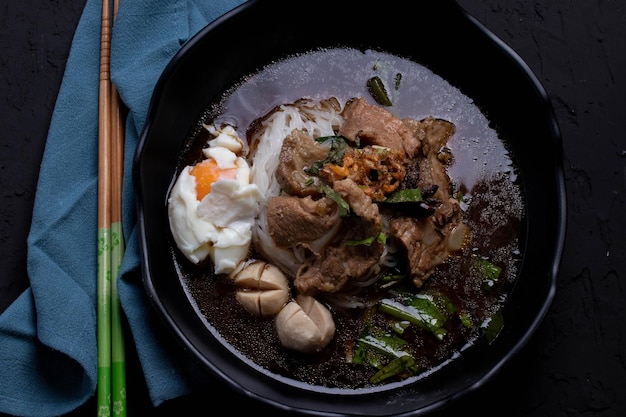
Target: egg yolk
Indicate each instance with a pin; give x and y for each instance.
(206, 173)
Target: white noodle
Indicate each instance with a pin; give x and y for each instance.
(318, 120)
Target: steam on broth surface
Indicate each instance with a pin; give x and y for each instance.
(397, 331)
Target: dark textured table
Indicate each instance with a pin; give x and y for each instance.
(575, 364)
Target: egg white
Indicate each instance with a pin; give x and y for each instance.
(220, 224)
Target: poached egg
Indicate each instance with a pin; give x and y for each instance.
(212, 205)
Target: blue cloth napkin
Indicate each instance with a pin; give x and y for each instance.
(48, 356)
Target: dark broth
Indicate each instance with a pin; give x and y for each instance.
(482, 170)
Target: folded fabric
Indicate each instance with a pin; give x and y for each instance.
(48, 352)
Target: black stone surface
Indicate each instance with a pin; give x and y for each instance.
(575, 364)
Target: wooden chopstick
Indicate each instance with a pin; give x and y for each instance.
(111, 386)
(118, 356)
(104, 220)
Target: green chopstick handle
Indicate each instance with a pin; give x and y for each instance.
(118, 372)
(118, 356)
(104, 323)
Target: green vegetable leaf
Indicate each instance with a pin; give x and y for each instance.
(337, 148)
(396, 366)
(380, 238)
(388, 344)
(344, 207)
(335, 154)
(385, 352)
(418, 309)
(466, 320)
(493, 326)
(409, 195)
(400, 326)
(490, 271)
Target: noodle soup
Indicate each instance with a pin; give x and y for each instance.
(424, 226)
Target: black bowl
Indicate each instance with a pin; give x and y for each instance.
(440, 36)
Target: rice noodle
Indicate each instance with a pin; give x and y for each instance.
(315, 117)
(318, 118)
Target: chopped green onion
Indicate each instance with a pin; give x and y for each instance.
(393, 277)
(398, 79)
(377, 89)
(381, 150)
